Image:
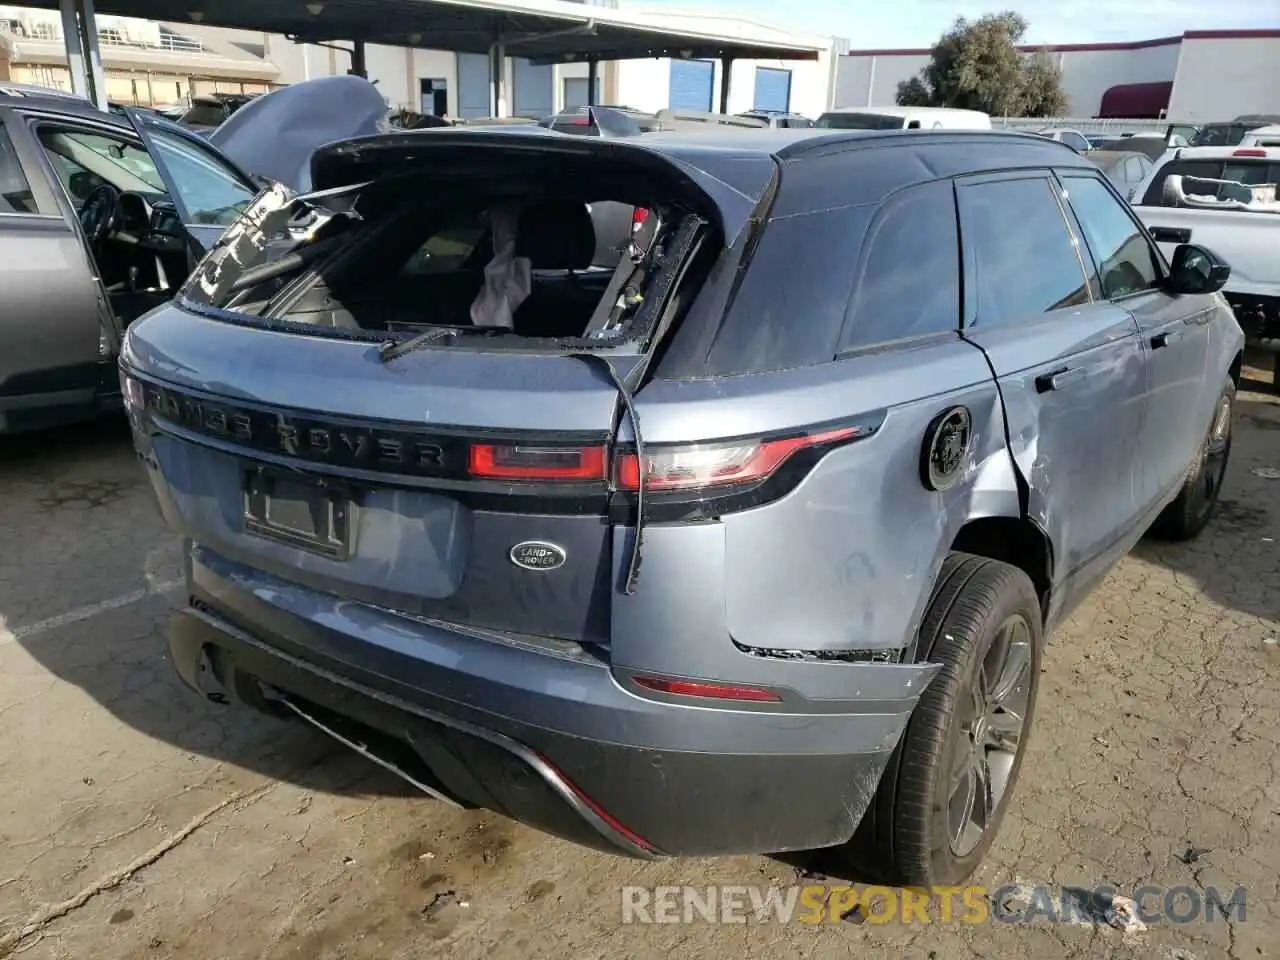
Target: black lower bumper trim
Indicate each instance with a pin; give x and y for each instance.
(634, 800)
(478, 767)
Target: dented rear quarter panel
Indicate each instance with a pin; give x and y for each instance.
(846, 561)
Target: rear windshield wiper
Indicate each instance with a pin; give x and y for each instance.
(389, 350)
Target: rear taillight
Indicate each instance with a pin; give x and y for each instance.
(719, 464)
(501, 461)
(1249, 152)
(638, 216)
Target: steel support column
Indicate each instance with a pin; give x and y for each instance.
(593, 77)
(89, 36)
(498, 80)
(726, 76)
(75, 47)
(358, 66)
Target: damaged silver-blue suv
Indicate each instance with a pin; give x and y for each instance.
(744, 533)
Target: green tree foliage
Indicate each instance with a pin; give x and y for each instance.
(976, 65)
(1042, 94)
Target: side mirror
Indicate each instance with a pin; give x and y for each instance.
(1196, 269)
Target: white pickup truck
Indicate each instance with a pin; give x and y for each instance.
(1224, 198)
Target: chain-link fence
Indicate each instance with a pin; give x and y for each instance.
(1085, 126)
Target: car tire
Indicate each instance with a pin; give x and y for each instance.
(1192, 509)
(916, 831)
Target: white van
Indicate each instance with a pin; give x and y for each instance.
(904, 118)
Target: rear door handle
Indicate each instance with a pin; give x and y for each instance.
(1171, 234)
(1165, 339)
(1059, 379)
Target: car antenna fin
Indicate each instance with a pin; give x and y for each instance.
(612, 124)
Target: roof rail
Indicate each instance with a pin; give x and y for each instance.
(672, 119)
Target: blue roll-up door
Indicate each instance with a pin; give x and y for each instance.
(773, 89)
(534, 88)
(692, 84)
(473, 86)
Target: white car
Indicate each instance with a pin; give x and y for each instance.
(1074, 139)
(1262, 137)
(1224, 198)
(904, 118)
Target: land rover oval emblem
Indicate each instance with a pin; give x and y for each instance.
(538, 555)
(946, 447)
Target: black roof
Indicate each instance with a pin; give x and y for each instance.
(734, 166)
(787, 144)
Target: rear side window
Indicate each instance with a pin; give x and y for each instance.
(1210, 169)
(790, 307)
(1076, 141)
(204, 115)
(859, 121)
(908, 283)
(448, 249)
(1125, 260)
(1250, 172)
(15, 192)
(1024, 258)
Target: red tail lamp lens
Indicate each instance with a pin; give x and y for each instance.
(710, 465)
(708, 691)
(517, 462)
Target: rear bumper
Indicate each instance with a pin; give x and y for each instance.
(552, 740)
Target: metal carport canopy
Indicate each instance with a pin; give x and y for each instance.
(544, 31)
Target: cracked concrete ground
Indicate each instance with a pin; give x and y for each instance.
(138, 822)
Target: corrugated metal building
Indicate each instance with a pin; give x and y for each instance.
(1199, 76)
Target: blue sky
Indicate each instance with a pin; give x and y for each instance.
(918, 23)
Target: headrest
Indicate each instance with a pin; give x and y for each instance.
(556, 235)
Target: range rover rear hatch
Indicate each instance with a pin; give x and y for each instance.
(374, 441)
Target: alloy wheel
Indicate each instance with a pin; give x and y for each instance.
(988, 735)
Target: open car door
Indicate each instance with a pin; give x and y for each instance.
(207, 192)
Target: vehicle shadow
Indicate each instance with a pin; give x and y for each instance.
(79, 523)
(1236, 560)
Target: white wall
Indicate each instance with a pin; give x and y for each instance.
(644, 84)
(396, 70)
(1213, 79)
(1221, 79)
(871, 80)
(1088, 74)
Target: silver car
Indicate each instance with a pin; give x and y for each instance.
(752, 543)
(104, 214)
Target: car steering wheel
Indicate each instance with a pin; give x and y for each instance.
(100, 215)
